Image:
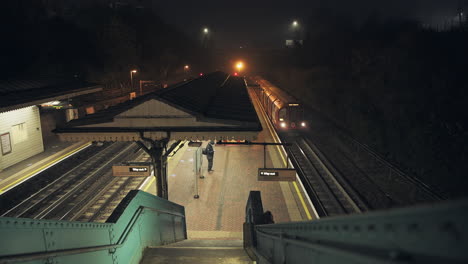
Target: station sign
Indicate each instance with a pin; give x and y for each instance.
(140, 169)
(276, 174)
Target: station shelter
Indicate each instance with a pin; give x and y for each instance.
(29, 111)
(149, 229)
(214, 107)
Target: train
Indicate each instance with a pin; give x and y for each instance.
(284, 111)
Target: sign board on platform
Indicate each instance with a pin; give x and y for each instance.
(5, 141)
(276, 174)
(195, 144)
(132, 169)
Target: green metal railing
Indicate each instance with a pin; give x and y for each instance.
(141, 220)
(426, 234)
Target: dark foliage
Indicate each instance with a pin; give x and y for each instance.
(95, 42)
(394, 85)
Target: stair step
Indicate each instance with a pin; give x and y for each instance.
(207, 243)
(197, 251)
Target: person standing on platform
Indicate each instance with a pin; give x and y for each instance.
(210, 155)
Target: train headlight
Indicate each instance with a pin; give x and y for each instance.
(303, 124)
(283, 124)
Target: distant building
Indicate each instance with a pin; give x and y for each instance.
(294, 43)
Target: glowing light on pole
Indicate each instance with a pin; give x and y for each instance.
(240, 66)
(205, 37)
(131, 78)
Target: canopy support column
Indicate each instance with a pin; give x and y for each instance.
(158, 156)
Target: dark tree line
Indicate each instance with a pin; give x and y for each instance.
(96, 42)
(395, 85)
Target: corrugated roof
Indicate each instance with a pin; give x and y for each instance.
(218, 96)
(20, 92)
(195, 95)
(215, 97)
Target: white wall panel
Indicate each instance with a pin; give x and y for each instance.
(30, 147)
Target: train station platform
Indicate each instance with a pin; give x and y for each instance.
(227, 217)
(218, 213)
(54, 152)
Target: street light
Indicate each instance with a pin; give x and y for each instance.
(205, 37)
(186, 70)
(131, 78)
(296, 28)
(239, 66)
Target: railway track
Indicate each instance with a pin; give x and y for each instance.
(354, 179)
(328, 194)
(108, 197)
(61, 198)
(401, 188)
(331, 194)
(106, 201)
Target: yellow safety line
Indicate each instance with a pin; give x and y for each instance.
(149, 184)
(44, 166)
(309, 216)
(154, 178)
(302, 201)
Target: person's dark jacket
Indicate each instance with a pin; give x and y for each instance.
(209, 151)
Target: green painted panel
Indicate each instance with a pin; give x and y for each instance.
(141, 220)
(434, 233)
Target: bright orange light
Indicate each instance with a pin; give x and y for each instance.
(240, 65)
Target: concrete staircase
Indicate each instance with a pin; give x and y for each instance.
(198, 251)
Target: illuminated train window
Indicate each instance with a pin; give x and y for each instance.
(283, 114)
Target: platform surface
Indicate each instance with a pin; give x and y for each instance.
(219, 212)
(54, 151)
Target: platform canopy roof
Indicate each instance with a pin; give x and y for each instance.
(15, 94)
(214, 106)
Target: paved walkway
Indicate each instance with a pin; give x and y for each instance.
(219, 212)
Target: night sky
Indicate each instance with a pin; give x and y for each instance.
(266, 23)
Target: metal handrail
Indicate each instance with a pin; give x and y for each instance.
(72, 251)
(317, 246)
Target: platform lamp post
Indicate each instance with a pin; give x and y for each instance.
(295, 28)
(131, 78)
(186, 70)
(205, 37)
